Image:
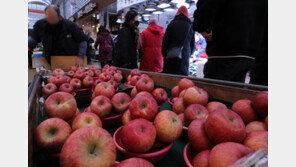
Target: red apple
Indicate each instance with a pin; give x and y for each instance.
(226, 154)
(255, 126)
(126, 117)
(182, 93)
(256, 140)
(101, 106)
(59, 80)
(76, 83)
(68, 79)
(144, 75)
(51, 134)
(49, 89)
(143, 106)
(178, 106)
(260, 103)
(168, 126)
(129, 77)
(244, 109)
(86, 119)
(110, 71)
(202, 159)
(66, 87)
(120, 102)
(113, 83)
(181, 116)
(144, 93)
(145, 84)
(266, 122)
(58, 72)
(81, 69)
(185, 83)
(135, 72)
(70, 74)
(89, 73)
(195, 111)
(92, 68)
(61, 105)
(97, 73)
(50, 80)
(104, 77)
(211, 106)
(195, 95)
(138, 135)
(113, 68)
(88, 81)
(96, 82)
(119, 71)
(72, 119)
(106, 66)
(197, 136)
(105, 89)
(175, 91)
(73, 68)
(224, 125)
(79, 75)
(118, 77)
(135, 162)
(160, 95)
(89, 146)
(134, 92)
(134, 80)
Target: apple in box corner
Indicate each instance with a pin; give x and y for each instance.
(49, 89)
(226, 154)
(256, 140)
(197, 136)
(136, 162)
(168, 126)
(160, 95)
(61, 105)
(224, 125)
(135, 72)
(195, 95)
(86, 119)
(101, 106)
(88, 81)
(185, 83)
(89, 146)
(138, 135)
(51, 134)
(105, 89)
(66, 87)
(212, 106)
(76, 83)
(58, 72)
(120, 102)
(145, 84)
(255, 126)
(260, 103)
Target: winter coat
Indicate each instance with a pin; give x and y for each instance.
(62, 39)
(106, 43)
(174, 37)
(237, 25)
(126, 53)
(151, 56)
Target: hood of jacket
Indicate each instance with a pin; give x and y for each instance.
(155, 29)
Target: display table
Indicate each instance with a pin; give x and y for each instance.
(226, 92)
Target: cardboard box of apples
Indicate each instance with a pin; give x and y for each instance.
(148, 134)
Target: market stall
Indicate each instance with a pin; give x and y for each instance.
(221, 91)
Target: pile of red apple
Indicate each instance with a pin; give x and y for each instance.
(220, 135)
(79, 78)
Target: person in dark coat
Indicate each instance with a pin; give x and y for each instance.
(106, 43)
(126, 56)
(89, 50)
(234, 30)
(175, 36)
(151, 56)
(58, 36)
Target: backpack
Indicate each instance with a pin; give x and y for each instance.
(107, 45)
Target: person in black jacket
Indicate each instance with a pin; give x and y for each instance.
(175, 36)
(234, 31)
(58, 36)
(126, 54)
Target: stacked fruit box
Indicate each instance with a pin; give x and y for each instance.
(167, 150)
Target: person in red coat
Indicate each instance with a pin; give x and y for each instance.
(150, 53)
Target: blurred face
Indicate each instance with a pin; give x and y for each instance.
(135, 19)
(51, 16)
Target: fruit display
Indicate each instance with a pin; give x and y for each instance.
(139, 127)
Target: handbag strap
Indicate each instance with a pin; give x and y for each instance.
(186, 36)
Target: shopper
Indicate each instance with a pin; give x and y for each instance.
(106, 43)
(179, 33)
(89, 50)
(150, 53)
(58, 36)
(233, 30)
(127, 42)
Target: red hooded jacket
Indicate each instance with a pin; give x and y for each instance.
(152, 59)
